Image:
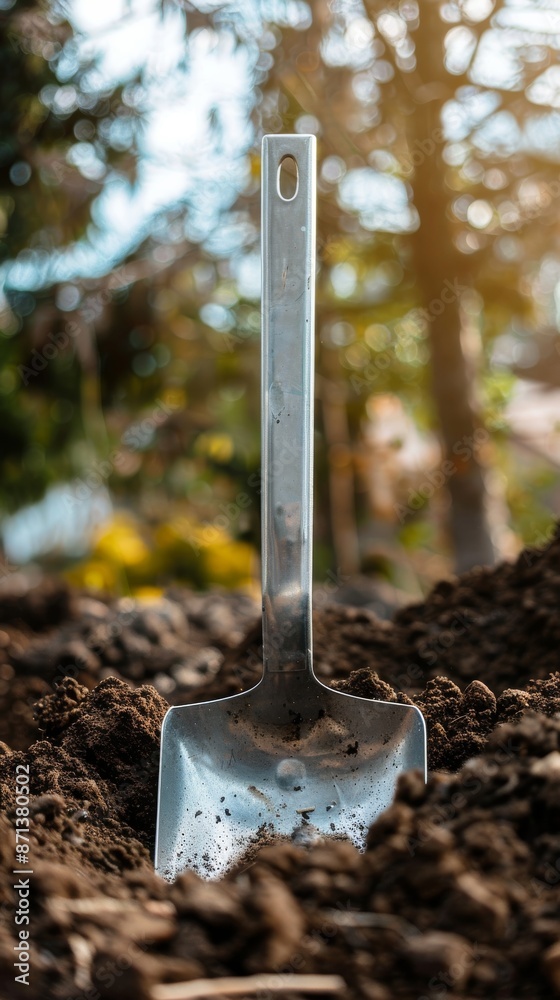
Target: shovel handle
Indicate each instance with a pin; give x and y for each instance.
(288, 318)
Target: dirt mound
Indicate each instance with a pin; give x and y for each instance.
(177, 643)
(458, 892)
(458, 887)
(499, 626)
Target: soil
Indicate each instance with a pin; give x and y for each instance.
(458, 891)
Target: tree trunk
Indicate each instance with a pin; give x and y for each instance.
(340, 459)
(443, 276)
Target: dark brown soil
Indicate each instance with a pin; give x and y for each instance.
(178, 644)
(458, 892)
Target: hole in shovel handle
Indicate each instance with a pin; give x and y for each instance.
(288, 180)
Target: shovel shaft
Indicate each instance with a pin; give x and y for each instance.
(288, 313)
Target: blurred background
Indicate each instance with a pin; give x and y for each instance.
(130, 284)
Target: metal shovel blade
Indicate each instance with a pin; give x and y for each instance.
(291, 757)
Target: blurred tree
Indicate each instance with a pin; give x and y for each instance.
(437, 208)
(60, 139)
(437, 123)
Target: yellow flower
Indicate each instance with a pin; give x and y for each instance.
(148, 595)
(216, 446)
(93, 575)
(121, 543)
(229, 563)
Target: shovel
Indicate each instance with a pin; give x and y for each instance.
(290, 758)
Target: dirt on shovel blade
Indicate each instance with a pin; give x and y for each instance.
(458, 892)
